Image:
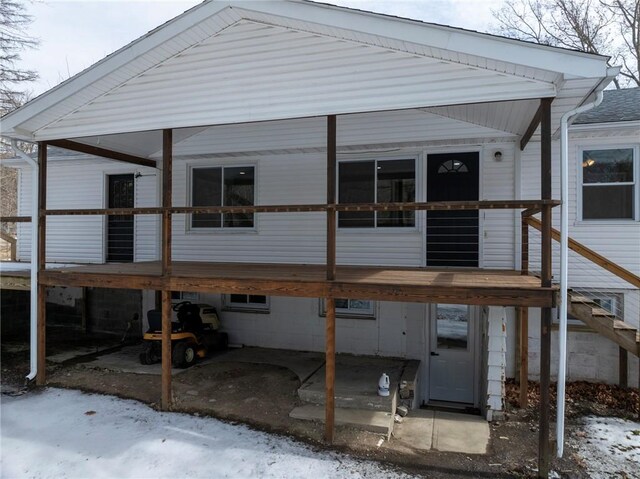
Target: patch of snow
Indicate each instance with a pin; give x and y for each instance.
(609, 447)
(69, 434)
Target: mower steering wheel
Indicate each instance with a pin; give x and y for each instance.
(177, 306)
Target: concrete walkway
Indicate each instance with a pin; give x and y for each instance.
(443, 431)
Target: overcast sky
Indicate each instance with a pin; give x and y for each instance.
(75, 34)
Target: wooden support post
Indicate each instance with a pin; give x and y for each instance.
(331, 197)
(544, 449)
(623, 367)
(524, 253)
(167, 157)
(165, 295)
(330, 368)
(41, 375)
(524, 357)
(166, 350)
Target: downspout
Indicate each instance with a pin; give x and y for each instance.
(33, 349)
(564, 262)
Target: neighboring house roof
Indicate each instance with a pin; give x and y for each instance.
(617, 105)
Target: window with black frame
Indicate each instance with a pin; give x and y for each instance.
(376, 181)
(608, 184)
(222, 186)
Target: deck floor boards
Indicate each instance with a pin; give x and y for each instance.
(472, 286)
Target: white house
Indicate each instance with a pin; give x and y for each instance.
(437, 138)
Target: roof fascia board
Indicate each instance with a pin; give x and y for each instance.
(448, 38)
(115, 60)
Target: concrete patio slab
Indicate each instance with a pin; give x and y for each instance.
(356, 384)
(302, 363)
(416, 430)
(460, 433)
(373, 421)
(127, 360)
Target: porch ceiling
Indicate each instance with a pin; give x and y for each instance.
(238, 62)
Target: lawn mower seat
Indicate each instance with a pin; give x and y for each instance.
(190, 320)
(154, 317)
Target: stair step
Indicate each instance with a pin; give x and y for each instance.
(580, 299)
(374, 421)
(621, 325)
(602, 313)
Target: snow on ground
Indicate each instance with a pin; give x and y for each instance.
(610, 447)
(69, 434)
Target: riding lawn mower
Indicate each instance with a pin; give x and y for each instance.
(194, 335)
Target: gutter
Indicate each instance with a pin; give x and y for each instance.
(33, 349)
(564, 261)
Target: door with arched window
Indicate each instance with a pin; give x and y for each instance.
(453, 236)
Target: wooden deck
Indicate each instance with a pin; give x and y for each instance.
(427, 285)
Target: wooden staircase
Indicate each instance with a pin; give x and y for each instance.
(604, 322)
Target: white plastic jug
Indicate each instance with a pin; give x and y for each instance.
(383, 385)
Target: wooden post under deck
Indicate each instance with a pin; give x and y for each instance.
(41, 375)
(166, 350)
(524, 357)
(330, 368)
(330, 347)
(524, 323)
(544, 450)
(167, 153)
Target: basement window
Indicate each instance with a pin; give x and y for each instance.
(351, 308)
(612, 302)
(246, 302)
(608, 184)
(376, 181)
(222, 186)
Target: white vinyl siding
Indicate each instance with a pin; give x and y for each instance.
(618, 240)
(74, 184)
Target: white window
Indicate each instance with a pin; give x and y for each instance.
(351, 308)
(222, 186)
(376, 181)
(612, 302)
(246, 302)
(609, 189)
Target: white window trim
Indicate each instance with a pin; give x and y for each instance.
(348, 314)
(375, 228)
(259, 308)
(636, 183)
(222, 229)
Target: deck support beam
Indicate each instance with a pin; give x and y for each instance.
(165, 295)
(524, 356)
(41, 376)
(330, 339)
(330, 371)
(103, 152)
(544, 449)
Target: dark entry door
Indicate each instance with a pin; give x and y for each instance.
(120, 228)
(452, 236)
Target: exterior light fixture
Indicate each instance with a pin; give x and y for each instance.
(497, 155)
(588, 162)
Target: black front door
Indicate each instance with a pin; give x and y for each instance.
(452, 236)
(120, 228)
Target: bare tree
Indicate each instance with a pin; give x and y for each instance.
(14, 21)
(14, 39)
(606, 27)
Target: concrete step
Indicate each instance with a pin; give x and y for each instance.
(374, 421)
(352, 399)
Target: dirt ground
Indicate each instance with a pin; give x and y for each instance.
(263, 395)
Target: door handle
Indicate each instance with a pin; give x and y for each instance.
(434, 354)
